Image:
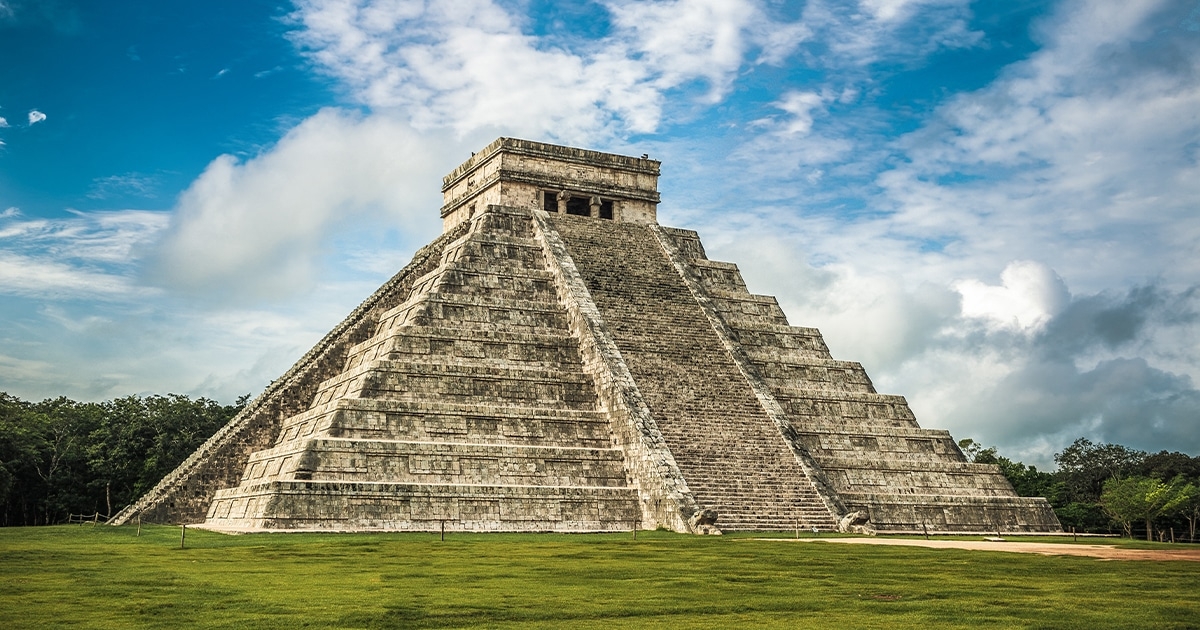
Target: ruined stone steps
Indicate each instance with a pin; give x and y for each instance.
(349, 506)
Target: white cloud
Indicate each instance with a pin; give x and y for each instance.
(860, 33)
(1029, 295)
(1082, 156)
(683, 40)
(35, 117)
(88, 255)
(133, 184)
(801, 106)
(29, 276)
(3, 122)
(257, 227)
(468, 66)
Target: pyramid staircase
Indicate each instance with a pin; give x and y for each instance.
(732, 456)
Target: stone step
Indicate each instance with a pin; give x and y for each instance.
(470, 310)
(440, 339)
(842, 404)
(762, 342)
(333, 459)
(345, 506)
(558, 357)
(428, 421)
(840, 432)
(914, 443)
(785, 377)
(719, 277)
(938, 512)
(892, 462)
(687, 242)
(772, 352)
(497, 250)
(498, 286)
(399, 380)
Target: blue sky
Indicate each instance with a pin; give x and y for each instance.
(993, 206)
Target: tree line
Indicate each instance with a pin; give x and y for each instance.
(60, 457)
(1109, 487)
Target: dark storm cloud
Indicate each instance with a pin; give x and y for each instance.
(1064, 391)
(1110, 321)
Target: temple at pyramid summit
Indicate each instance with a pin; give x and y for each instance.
(558, 361)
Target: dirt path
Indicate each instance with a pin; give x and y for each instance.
(1104, 552)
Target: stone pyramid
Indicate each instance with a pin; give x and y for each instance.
(558, 361)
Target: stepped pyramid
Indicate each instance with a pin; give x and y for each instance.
(558, 361)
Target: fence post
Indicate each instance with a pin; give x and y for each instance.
(139, 534)
(182, 534)
(443, 535)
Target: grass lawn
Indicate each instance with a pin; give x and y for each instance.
(105, 577)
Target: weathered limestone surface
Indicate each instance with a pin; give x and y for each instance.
(468, 407)
(552, 364)
(184, 495)
(730, 453)
(520, 173)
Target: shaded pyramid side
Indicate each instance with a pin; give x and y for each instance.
(868, 446)
(469, 406)
(185, 494)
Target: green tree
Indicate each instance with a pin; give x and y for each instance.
(1189, 507)
(60, 456)
(1027, 481)
(1085, 466)
(1133, 499)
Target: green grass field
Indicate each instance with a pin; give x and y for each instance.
(106, 577)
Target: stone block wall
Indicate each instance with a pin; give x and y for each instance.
(184, 495)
